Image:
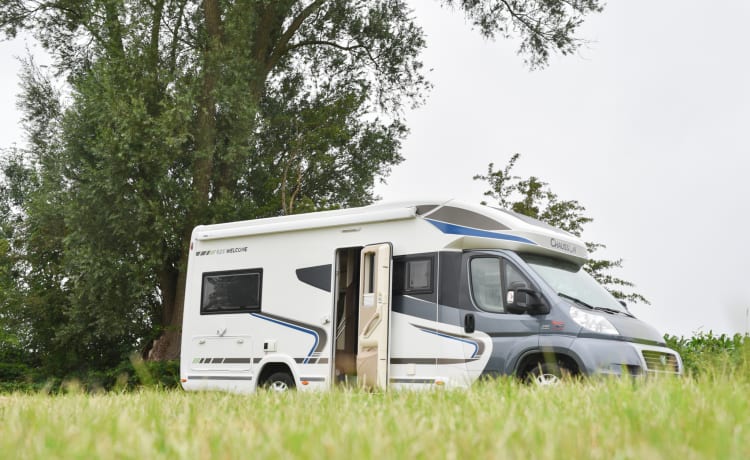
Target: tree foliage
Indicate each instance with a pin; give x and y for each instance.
(35, 303)
(533, 197)
(186, 112)
(543, 26)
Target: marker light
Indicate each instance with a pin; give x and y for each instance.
(592, 322)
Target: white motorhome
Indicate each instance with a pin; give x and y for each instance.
(401, 295)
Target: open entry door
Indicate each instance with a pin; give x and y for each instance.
(374, 316)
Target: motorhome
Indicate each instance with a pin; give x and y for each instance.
(403, 295)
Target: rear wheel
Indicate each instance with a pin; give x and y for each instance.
(548, 374)
(280, 382)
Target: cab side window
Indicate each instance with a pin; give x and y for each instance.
(485, 284)
(513, 278)
(491, 279)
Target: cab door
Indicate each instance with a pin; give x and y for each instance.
(374, 316)
(490, 277)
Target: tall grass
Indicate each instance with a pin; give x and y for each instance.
(686, 418)
(705, 414)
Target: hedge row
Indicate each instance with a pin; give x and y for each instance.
(709, 353)
(127, 376)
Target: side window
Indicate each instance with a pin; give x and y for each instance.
(236, 291)
(413, 275)
(418, 275)
(485, 284)
(369, 280)
(491, 279)
(513, 277)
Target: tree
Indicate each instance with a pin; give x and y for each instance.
(35, 300)
(533, 197)
(183, 112)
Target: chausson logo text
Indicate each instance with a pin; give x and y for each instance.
(563, 246)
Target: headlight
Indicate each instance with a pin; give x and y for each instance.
(592, 322)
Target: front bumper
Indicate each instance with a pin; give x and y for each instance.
(616, 357)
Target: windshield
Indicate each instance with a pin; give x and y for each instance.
(572, 282)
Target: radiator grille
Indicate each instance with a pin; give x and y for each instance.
(658, 361)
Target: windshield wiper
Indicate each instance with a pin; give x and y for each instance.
(581, 302)
(612, 310)
(578, 301)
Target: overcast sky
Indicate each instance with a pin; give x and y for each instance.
(647, 127)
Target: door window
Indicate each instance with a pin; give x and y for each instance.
(369, 278)
(488, 287)
(485, 284)
(513, 278)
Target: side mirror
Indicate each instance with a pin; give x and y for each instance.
(524, 300)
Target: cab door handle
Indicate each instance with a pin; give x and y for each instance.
(469, 323)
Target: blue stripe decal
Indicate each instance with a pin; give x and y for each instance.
(307, 331)
(440, 334)
(454, 229)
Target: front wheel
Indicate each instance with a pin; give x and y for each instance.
(279, 382)
(548, 374)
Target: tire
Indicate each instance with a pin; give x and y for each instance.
(279, 382)
(548, 374)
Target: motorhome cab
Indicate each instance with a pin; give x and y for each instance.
(404, 295)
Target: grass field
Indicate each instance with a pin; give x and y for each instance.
(684, 418)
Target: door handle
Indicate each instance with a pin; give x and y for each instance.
(469, 323)
(371, 325)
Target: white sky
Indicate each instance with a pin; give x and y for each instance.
(647, 127)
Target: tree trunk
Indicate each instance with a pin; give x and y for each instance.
(167, 346)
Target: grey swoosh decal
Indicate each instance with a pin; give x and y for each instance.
(415, 307)
(463, 338)
(322, 337)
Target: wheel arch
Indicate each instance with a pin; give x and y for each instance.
(531, 358)
(269, 366)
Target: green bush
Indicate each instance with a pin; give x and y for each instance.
(131, 374)
(707, 352)
(138, 373)
(13, 371)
